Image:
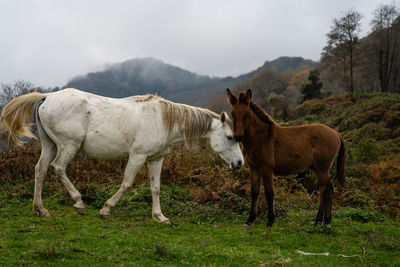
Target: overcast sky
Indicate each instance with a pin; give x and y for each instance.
(49, 42)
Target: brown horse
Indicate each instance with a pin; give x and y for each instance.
(270, 149)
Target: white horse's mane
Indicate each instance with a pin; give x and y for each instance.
(192, 122)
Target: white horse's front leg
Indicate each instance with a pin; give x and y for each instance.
(131, 169)
(154, 174)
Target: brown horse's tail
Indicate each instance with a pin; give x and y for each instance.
(340, 163)
(17, 112)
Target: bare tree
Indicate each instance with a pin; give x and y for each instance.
(386, 30)
(342, 40)
(10, 91)
(7, 93)
(335, 63)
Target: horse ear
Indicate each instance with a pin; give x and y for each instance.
(249, 95)
(224, 117)
(231, 98)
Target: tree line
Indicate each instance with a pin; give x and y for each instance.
(372, 63)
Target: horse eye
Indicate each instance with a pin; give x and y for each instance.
(229, 137)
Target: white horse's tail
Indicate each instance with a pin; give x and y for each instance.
(17, 112)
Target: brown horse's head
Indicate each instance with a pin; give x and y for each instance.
(240, 112)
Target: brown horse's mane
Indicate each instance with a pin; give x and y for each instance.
(261, 114)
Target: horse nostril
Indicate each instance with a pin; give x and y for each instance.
(239, 163)
(238, 138)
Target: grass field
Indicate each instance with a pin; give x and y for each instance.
(200, 235)
(208, 204)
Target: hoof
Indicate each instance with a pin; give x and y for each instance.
(317, 223)
(79, 207)
(248, 223)
(81, 211)
(167, 221)
(104, 214)
(161, 219)
(271, 221)
(327, 220)
(42, 212)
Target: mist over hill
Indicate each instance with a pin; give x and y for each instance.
(149, 75)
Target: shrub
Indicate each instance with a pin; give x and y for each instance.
(360, 215)
(367, 150)
(356, 198)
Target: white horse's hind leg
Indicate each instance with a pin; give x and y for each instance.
(60, 163)
(47, 155)
(154, 173)
(131, 169)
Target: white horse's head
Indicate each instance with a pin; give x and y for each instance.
(222, 142)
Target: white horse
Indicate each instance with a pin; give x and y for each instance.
(139, 128)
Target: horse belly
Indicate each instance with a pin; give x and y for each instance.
(292, 163)
(106, 141)
(97, 147)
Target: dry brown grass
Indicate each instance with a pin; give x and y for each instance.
(199, 170)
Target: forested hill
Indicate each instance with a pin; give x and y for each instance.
(276, 81)
(286, 64)
(148, 75)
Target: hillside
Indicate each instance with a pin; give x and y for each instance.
(148, 75)
(371, 129)
(276, 80)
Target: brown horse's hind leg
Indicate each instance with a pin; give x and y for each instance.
(255, 180)
(269, 194)
(324, 197)
(328, 206)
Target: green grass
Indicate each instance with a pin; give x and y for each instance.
(200, 235)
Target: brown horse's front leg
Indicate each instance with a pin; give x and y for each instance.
(269, 194)
(255, 180)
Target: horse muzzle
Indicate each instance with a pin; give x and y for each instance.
(236, 165)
